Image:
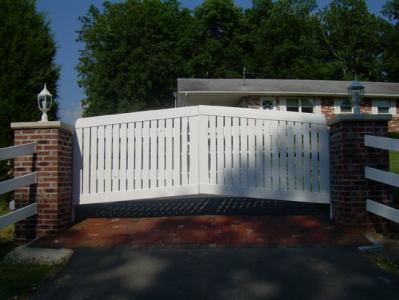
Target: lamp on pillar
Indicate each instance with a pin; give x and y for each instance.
(44, 101)
(356, 94)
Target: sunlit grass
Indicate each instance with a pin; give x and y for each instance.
(7, 232)
(18, 280)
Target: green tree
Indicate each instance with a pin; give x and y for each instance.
(391, 63)
(284, 37)
(131, 59)
(27, 52)
(391, 10)
(354, 39)
(216, 39)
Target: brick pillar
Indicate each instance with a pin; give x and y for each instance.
(53, 192)
(349, 157)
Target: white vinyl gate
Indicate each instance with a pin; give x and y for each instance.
(202, 150)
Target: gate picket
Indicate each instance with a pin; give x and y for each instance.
(108, 157)
(93, 160)
(130, 156)
(123, 157)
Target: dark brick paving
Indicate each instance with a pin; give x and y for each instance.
(207, 222)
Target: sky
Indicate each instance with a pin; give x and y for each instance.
(63, 17)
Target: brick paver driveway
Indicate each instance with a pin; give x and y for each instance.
(208, 222)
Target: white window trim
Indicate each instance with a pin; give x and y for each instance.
(261, 98)
(283, 104)
(337, 107)
(316, 107)
(374, 108)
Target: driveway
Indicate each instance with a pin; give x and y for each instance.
(220, 273)
(193, 223)
(226, 248)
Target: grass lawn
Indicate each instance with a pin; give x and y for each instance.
(394, 165)
(18, 280)
(394, 156)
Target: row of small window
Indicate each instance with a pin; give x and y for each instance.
(377, 106)
(307, 105)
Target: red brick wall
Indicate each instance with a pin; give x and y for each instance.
(250, 101)
(394, 124)
(366, 106)
(349, 157)
(327, 107)
(53, 192)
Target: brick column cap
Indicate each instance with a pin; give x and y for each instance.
(359, 118)
(42, 125)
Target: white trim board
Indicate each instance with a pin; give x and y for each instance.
(199, 110)
(280, 93)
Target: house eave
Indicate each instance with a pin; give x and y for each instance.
(283, 93)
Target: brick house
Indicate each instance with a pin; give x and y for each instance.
(308, 96)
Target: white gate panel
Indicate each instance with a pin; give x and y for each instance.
(203, 150)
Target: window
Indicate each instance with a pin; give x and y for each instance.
(383, 107)
(267, 103)
(345, 106)
(305, 105)
(292, 105)
(342, 106)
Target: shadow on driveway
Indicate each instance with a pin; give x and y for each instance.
(222, 274)
(231, 206)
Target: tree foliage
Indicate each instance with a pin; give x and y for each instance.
(284, 37)
(391, 62)
(27, 52)
(352, 36)
(216, 30)
(131, 56)
(134, 51)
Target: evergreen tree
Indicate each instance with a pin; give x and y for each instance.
(27, 52)
(391, 55)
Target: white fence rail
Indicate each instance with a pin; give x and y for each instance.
(379, 209)
(19, 150)
(18, 215)
(382, 210)
(202, 150)
(382, 176)
(12, 184)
